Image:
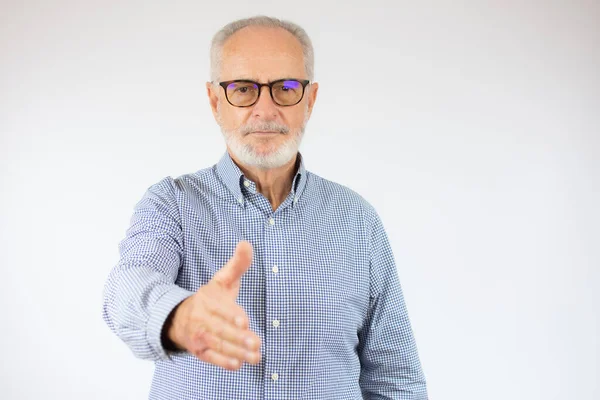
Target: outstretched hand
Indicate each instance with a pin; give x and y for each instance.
(211, 325)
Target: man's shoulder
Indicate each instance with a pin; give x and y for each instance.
(338, 194)
(191, 181)
(204, 176)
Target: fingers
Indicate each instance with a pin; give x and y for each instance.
(218, 359)
(233, 351)
(222, 326)
(236, 267)
(219, 332)
(241, 338)
(229, 311)
(227, 342)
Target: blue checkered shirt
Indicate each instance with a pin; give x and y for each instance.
(322, 291)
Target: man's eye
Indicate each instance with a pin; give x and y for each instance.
(244, 89)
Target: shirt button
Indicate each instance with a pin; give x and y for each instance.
(246, 183)
(241, 200)
(276, 323)
(275, 269)
(271, 221)
(275, 376)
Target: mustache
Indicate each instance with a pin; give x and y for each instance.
(266, 126)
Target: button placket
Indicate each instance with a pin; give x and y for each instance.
(276, 299)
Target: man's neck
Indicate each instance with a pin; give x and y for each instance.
(275, 184)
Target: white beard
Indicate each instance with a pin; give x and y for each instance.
(274, 158)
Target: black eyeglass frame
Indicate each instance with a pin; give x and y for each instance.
(303, 82)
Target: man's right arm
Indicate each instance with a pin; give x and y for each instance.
(140, 292)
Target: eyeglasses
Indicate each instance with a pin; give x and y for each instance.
(245, 93)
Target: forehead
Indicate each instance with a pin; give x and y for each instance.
(263, 54)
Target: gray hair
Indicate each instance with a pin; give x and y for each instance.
(228, 30)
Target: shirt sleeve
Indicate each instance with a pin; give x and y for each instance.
(140, 291)
(390, 365)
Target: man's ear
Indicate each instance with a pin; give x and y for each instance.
(312, 96)
(213, 98)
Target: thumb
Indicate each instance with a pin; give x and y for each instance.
(237, 265)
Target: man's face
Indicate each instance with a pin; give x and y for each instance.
(265, 134)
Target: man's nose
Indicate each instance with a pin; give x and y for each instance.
(264, 106)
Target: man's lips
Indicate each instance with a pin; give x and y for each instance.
(264, 133)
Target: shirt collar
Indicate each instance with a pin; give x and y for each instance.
(233, 178)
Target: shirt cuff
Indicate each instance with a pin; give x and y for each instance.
(160, 311)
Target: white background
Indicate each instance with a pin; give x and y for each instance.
(471, 126)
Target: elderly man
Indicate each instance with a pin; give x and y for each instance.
(254, 278)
